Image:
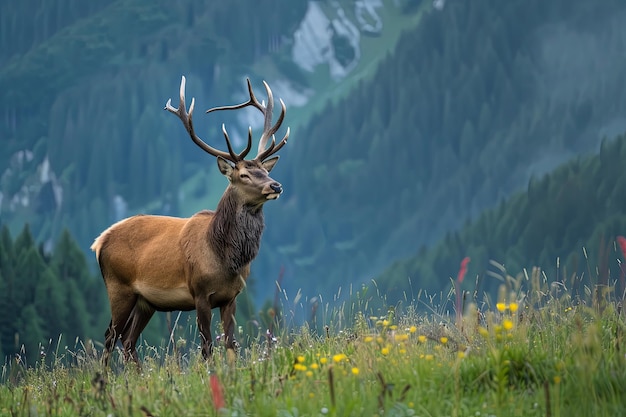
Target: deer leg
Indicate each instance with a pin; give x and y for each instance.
(227, 314)
(109, 343)
(203, 313)
(139, 318)
(122, 303)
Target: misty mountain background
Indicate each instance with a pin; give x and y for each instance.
(409, 120)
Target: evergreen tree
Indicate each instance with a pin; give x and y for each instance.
(84, 293)
(51, 305)
(30, 333)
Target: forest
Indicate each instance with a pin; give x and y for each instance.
(459, 124)
(46, 297)
(565, 223)
(486, 129)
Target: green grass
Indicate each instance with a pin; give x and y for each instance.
(534, 353)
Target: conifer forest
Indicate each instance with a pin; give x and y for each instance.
(422, 132)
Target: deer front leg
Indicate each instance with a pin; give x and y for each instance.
(203, 313)
(227, 313)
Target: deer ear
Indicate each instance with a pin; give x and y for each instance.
(226, 168)
(268, 164)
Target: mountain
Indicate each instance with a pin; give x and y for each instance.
(408, 118)
(83, 87)
(474, 102)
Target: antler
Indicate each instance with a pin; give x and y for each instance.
(268, 130)
(186, 118)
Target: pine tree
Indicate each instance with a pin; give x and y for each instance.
(51, 305)
(30, 334)
(84, 292)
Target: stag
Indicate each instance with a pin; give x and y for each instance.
(158, 263)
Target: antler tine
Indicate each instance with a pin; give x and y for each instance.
(242, 155)
(273, 148)
(186, 118)
(252, 101)
(267, 123)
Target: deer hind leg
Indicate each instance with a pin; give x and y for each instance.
(203, 313)
(122, 303)
(139, 317)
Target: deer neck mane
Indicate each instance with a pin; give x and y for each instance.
(235, 232)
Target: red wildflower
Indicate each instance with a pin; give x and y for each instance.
(216, 391)
(463, 269)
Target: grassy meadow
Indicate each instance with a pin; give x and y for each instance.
(543, 348)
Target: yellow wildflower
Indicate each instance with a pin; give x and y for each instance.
(513, 307)
(421, 338)
(501, 307)
(339, 357)
(355, 371)
(323, 360)
(443, 340)
(412, 329)
(385, 351)
(368, 339)
(507, 324)
(403, 337)
(300, 359)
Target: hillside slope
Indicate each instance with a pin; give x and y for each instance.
(474, 102)
(82, 88)
(565, 223)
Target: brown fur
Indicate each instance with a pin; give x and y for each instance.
(159, 263)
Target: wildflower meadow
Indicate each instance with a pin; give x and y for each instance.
(542, 348)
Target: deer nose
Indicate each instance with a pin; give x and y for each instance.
(276, 187)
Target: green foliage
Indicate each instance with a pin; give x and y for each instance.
(45, 298)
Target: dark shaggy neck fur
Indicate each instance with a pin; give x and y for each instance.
(235, 233)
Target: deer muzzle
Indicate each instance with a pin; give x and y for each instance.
(276, 190)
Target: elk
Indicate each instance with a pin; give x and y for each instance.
(158, 263)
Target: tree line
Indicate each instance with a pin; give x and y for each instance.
(565, 223)
(45, 296)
